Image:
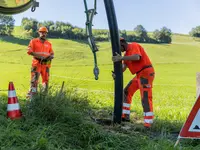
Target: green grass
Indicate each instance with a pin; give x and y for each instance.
(174, 94)
(59, 121)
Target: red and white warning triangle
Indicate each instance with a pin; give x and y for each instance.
(191, 128)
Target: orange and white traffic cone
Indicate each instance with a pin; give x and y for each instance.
(13, 108)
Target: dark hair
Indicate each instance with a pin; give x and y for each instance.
(123, 40)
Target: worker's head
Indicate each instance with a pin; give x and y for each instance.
(123, 44)
(43, 32)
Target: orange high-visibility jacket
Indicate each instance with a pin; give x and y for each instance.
(135, 66)
(43, 49)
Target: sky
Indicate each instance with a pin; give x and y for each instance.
(178, 15)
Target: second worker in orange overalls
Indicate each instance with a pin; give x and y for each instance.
(138, 62)
(42, 53)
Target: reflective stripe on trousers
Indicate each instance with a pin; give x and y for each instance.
(36, 71)
(143, 81)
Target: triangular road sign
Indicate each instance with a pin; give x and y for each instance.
(191, 128)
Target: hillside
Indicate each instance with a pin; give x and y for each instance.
(174, 91)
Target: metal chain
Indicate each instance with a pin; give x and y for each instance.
(89, 18)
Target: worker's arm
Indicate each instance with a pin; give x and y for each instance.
(123, 69)
(31, 50)
(134, 57)
(37, 55)
(51, 56)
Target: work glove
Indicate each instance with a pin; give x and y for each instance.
(117, 57)
(49, 57)
(41, 57)
(113, 75)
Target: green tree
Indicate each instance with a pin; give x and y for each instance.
(156, 35)
(123, 34)
(195, 32)
(163, 36)
(30, 26)
(6, 24)
(141, 32)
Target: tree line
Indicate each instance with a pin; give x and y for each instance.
(65, 30)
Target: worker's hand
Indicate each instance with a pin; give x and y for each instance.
(41, 57)
(50, 57)
(37, 56)
(113, 75)
(117, 58)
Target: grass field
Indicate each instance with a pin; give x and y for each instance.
(174, 94)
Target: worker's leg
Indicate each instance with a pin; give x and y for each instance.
(129, 91)
(35, 74)
(45, 77)
(146, 85)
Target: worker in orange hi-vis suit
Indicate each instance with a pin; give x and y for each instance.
(138, 62)
(42, 53)
(21, 2)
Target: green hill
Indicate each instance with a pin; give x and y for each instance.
(174, 90)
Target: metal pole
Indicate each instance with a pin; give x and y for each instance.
(113, 27)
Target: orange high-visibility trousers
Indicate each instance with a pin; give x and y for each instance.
(36, 71)
(144, 82)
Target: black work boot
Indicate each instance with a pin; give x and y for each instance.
(126, 118)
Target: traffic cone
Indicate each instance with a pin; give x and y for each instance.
(13, 108)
